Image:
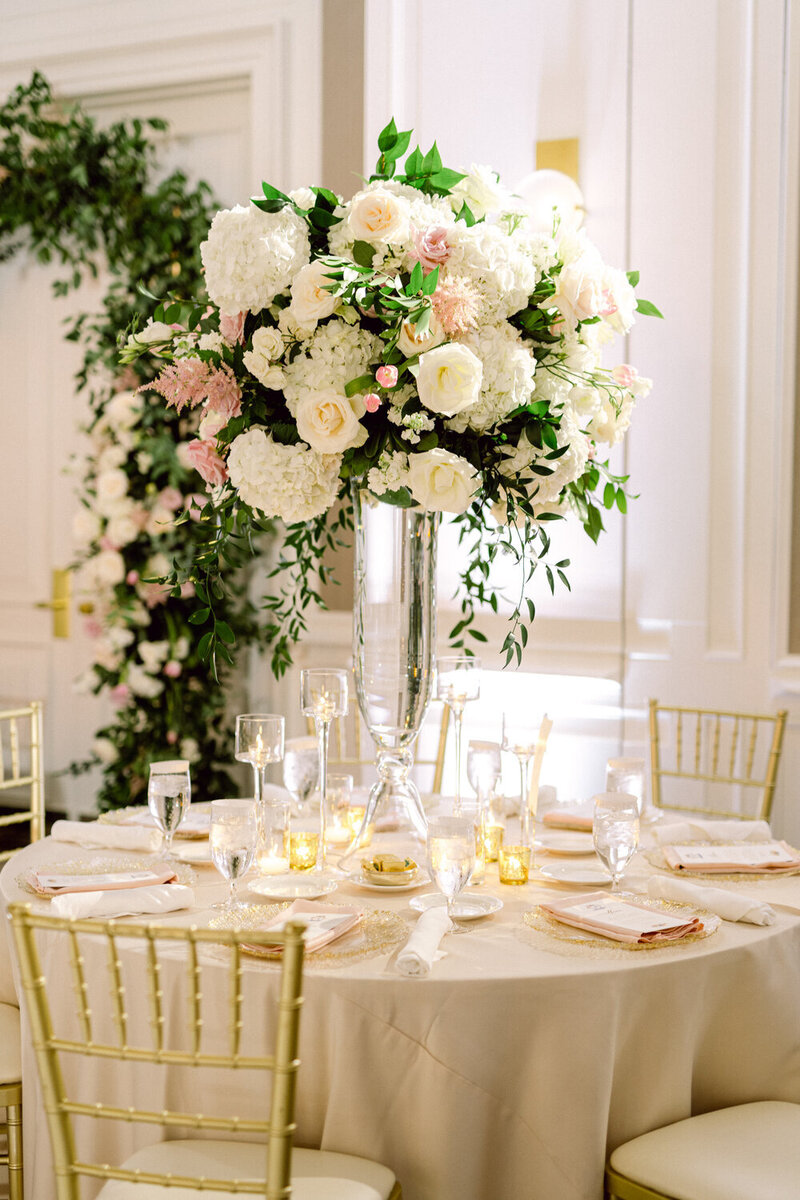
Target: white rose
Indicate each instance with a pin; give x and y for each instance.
(328, 423)
(310, 299)
(110, 458)
(142, 684)
(304, 198)
(449, 379)
(267, 346)
(441, 481)
(110, 486)
(159, 521)
(189, 749)
(268, 341)
(378, 216)
(105, 750)
(180, 651)
(86, 527)
(123, 410)
(482, 191)
(158, 566)
(154, 333)
(579, 292)
(410, 343)
(122, 530)
(108, 567)
(153, 654)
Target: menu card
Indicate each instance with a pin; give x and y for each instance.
(323, 922)
(53, 884)
(773, 857)
(621, 920)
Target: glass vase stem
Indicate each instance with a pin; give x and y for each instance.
(322, 729)
(524, 810)
(458, 717)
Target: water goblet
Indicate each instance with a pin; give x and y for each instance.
(521, 737)
(232, 838)
(451, 855)
(169, 792)
(323, 696)
(300, 769)
(458, 679)
(626, 775)
(615, 830)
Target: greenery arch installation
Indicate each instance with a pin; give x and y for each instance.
(88, 199)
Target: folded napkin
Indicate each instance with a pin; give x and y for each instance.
(620, 920)
(726, 904)
(51, 883)
(194, 824)
(421, 950)
(695, 829)
(111, 837)
(775, 858)
(323, 922)
(581, 818)
(124, 902)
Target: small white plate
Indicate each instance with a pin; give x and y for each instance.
(198, 853)
(293, 887)
(466, 908)
(388, 889)
(564, 842)
(592, 874)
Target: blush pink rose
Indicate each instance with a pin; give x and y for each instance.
(172, 669)
(609, 304)
(107, 544)
(120, 694)
(624, 374)
(431, 246)
(386, 376)
(187, 590)
(132, 578)
(153, 594)
(372, 402)
(231, 326)
(92, 627)
(170, 498)
(172, 737)
(207, 462)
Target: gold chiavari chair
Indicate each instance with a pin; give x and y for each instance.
(11, 1097)
(747, 1152)
(121, 970)
(710, 750)
(14, 724)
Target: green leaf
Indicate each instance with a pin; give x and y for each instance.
(415, 282)
(331, 200)
(633, 278)
(648, 310)
(363, 253)
(445, 178)
(387, 136)
(200, 617)
(465, 214)
(414, 162)
(224, 632)
(622, 502)
(430, 281)
(432, 161)
(363, 383)
(204, 646)
(608, 495)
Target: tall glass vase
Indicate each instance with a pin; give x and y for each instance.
(394, 646)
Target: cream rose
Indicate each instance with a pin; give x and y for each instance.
(410, 343)
(441, 481)
(378, 216)
(449, 379)
(311, 301)
(327, 421)
(579, 294)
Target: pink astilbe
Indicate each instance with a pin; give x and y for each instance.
(456, 303)
(190, 381)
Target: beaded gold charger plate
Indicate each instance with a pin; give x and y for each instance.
(656, 859)
(378, 932)
(102, 866)
(542, 923)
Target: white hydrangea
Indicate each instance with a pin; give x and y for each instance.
(336, 353)
(508, 376)
(290, 482)
(251, 256)
(498, 266)
(153, 655)
(390, 473)
(211, 341)
(546, 489)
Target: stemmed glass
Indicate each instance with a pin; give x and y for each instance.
(626, 775)
(451, 855)
(616, 832)
(521, 738)
(169, 792)
(323, 696)
(233, 838)
(300, 769)
(484, 767)
(259, 741)
(458, 679)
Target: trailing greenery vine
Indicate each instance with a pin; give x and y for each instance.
(88, 198)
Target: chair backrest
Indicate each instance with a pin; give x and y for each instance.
(122, 974)
(724, 753)
(21, 769)
(351, 745)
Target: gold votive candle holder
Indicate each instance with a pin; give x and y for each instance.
(354, 818)
(303, 850)
(492, 839)
(514, 863)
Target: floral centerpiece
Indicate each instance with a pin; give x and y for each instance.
(422, 338)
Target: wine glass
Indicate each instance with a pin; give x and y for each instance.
(169, 792)
(233, 838)
(616, 832)
(300, 769)
(458, 679)
(259, 741)
(626, 775)
(521, 738)
(451, 855)
(323, 696)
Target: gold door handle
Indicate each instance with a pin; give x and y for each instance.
(60, 602)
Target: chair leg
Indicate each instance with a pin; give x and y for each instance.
(14, 1126)
(395, 1194)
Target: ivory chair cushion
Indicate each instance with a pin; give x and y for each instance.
(10, 1053)
(748, 1152)
(316, 1174)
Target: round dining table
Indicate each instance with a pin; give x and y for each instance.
(521, 1059)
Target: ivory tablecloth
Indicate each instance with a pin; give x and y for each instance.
(513, 1068)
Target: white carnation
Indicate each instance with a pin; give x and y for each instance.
(251, 256)
(337, 353)
(508, 376)
(290, 482)
(212, 341)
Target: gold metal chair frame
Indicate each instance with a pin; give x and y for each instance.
(691, 724)
(34, 779)
(618, 1187)
(282, 1064)
(11, 1101)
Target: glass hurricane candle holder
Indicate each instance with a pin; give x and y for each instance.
(514, 864)
(323, 696)
(354, 820)
(273, 841)
(338, 794)
(458, 679)
(303, 850)
(492, 840)
(626, 775)
(259, 742)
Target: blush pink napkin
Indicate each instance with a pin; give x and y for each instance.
(576, 818)
(316, 938)
(111, 881)
(678, 859)
(563, 911)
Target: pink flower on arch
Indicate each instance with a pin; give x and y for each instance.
(624, 374)
(171, 498)
(172, 669)
(132, 578)
(386, 376)
(172, 737)
(372, 402)
(190, 381)
(231, 327)
(207, 462)
(120, 694)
